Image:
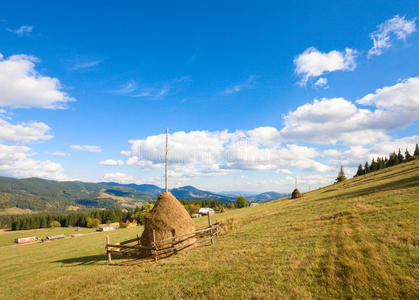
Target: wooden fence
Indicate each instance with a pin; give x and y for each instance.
(162, 248)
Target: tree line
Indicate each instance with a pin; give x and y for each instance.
(80, 219)
(96, 217)
(385, 162)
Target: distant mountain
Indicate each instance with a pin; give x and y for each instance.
(50, 195)
(185, 192)
(42, 194)
(150, 189)
(268, 196)
(192, 193)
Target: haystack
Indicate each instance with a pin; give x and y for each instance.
(296, 194)
(168, 218)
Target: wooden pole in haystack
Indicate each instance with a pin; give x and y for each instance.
(167, 140)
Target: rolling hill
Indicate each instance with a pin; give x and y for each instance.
(41, 194)
(358, 239)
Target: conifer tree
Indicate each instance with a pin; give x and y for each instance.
(366, 168)
(416, 153)
(400, 156)
(407, 155)
(360, 171)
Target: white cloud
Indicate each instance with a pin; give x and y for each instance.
(127, 88)
(331, 120)
(248, 84)
(85, 65)
(321, 82)
(401, 96)
(152, 92)
(313, 63)
(22, 30)
(111, 162)
(16, 161)
(356, 155)
(89, 148)
(58, 153)
(118, 177)
(397, 27)
(283, 171)
(24, 133)
(204, 153)
(21, 86)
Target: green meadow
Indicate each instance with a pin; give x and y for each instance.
(358, 239)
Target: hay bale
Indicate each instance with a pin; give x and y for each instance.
(296, 194)
(168, 218)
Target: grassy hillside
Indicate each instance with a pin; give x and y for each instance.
(40, 194)
(356, 239)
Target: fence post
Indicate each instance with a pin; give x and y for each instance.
(210, 226)
(154, 245)
(107, 250)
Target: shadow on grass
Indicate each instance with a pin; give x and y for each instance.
(84, 260)
(117, 260)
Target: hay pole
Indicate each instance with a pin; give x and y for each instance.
(108, 252)
(165, 173)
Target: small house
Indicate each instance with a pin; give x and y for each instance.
(206, 211)
(107, 228)
(253, 204)
(26, 240)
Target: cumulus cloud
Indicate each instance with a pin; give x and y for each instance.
(16, 161)
(22, 30)
(396, 27)
(24, 133)
(331, 120)
(221, 152)
(356, 155)
(21, 86)
(118, 177)
(312, 63)
(401, 96)
(89, 148)
(248, 84)
(111, 162)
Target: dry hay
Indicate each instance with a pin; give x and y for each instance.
(168, 218)
(296, 194)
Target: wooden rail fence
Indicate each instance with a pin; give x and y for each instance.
(162, 248)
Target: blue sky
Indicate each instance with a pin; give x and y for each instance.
(253, 93)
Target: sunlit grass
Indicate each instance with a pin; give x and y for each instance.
(357, 239)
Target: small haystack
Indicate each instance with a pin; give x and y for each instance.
(168, 218)
(296, 194)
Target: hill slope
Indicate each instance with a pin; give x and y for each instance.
(42, 194)
(357, 239)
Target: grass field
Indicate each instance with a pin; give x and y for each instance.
(357, 239)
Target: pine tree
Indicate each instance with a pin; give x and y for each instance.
(360, 171)
(366, 168)
(416, 153)
(400, 156)
(373, 166)
(407, 155)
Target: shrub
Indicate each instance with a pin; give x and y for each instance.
(241, 202)
(55, 224)
(92, 223)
